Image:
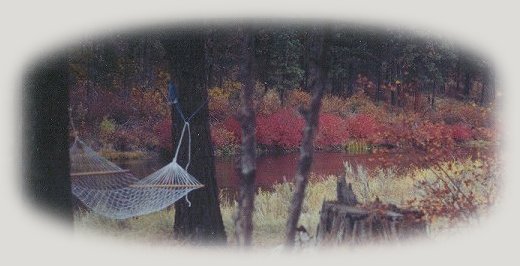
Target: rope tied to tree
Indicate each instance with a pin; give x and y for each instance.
(174, 100)
(115, 193)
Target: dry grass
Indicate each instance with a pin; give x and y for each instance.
(272, 206)
(271, 210)
(155, 227)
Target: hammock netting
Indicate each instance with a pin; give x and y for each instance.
(113, 192)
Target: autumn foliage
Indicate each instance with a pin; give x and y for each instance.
(282, 129)
(333, 132)
(140, 119)
(362, 126)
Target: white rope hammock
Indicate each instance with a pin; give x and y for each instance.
(113, 192)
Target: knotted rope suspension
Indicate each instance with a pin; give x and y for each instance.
(113, 192)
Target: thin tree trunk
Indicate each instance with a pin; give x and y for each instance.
(378, 85)
(459, 76)
(246, 195)
(486, 94)
(434, 89)
(200, 223)
(318, 75)
(351, 78)
(467, 86)
(417, 97)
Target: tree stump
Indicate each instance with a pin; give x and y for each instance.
(345, 194)
(346, 222)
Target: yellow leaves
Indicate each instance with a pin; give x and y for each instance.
(269, 103)
(298, 97)
(334, 105)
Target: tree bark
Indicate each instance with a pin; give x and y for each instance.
(202, 222)
(345, 224)
(434, 89)
(467, 85)
(46, 137)
(486, 94)
(351, 80)
(417, 97)
(379, 74)
(246, 194)
(458, 76)
(318, 74)
(344, 192)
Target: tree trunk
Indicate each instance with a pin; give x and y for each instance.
(487, 94)
(246, 195)
(417, 97)
(202, 222)
(467, 86)
(459, 76)
(318, 74)
(350, 81)
(344, 192)
(344, 224)
(434, 89)
(46, 137)
(378, 85)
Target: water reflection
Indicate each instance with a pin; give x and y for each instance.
(271, 169)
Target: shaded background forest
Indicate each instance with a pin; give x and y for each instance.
(386, 89)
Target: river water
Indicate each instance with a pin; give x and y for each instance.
(272, 169)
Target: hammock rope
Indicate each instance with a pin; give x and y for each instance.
(111, 191)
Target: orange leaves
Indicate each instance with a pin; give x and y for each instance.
(223, 138)
(218, 103)
(297, 98)
(268, 103)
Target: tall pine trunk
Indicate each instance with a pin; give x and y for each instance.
(318, 74)
(202, 222)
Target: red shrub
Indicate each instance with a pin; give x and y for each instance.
(233, 126)
(484, 133)
(282, 129)
(391, 134)
(332, 131)
(433, 138)
(362, 126)
(164, 132)
(461, 133)
(222, 137)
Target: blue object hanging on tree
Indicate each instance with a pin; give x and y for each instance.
(172, 92)
(174, 100)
